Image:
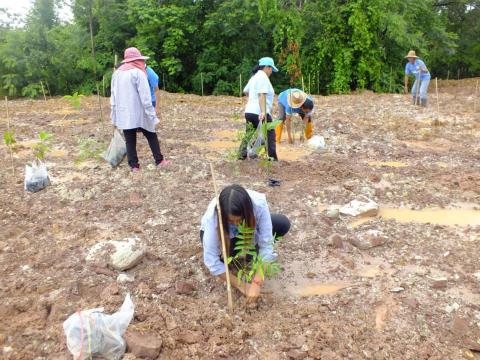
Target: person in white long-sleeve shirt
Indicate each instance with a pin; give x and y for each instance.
(132, 109)
(240, 205)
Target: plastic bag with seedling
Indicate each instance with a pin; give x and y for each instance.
(75, 100)
(246, 261)
(36, 174)
(257, 139)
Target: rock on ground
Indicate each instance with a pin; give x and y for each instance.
(368, 240)
(146, 346)
(119, 254)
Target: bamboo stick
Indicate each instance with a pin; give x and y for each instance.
(201, 80)
(9, 146)
(163, 80)
(309, 84)
(303, 85)
(222, 236)
(43, 90)
(103, 85)
(240, 86)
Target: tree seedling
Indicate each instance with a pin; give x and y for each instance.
(43, 146)
(246, 261)
(74, 100)
(89, 149)
(9, 139)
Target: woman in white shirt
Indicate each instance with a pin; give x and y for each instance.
(132, 108)
(260, 102)
(240, 205)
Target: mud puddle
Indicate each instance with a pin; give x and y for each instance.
(319, 289)
(448, 217)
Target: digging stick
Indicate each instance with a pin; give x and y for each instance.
(240, 86)
(475, 100)
(222, 237)
(438, 102)
(43, 90)
(9, 146)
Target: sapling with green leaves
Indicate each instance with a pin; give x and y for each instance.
(9, 139)
(247, 262)
(75, 100)
(89, 149)
(43, 145)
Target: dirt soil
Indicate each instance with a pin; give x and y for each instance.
(330, 302)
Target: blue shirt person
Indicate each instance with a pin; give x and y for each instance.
(417, 68)
(294, 101)
(153, 83)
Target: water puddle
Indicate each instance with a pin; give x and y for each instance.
(448, 217)
(393, 164)
(320, 289)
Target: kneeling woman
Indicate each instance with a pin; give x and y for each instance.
(240, 205)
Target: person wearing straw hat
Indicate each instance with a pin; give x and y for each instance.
(260, 102)
(294, 101)
(418, 68)
(132, 109)
(239, 205)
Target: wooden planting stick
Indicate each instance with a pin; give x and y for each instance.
(240, 86)
(318, 82)
(103, 84)
(222, 237)
(303, 85)
(438, 102)
(163, 77)
(201, 80)
(309, 84)
(8, 129)
(43, 90)
(475, 100)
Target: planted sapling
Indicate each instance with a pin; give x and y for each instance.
(9, 139)
(74, 100)
(246, 261)
(43, 146)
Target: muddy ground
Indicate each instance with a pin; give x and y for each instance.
(328, 303)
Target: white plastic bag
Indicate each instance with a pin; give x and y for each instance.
(116, 150)
(316, 142)
(255, 142)
(36, 176)
(92, 333)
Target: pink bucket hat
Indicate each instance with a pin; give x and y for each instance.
(132, 54)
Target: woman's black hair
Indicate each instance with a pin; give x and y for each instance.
(256, 68)
(308, 104)
(234, 200)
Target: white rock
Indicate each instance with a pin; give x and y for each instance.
(120, 254)
(453, 307)
(356, 207)
(123, 278)
(397, 289)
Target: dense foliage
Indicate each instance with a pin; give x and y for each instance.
(326, 46)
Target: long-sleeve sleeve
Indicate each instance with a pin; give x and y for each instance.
(146, 99)
(211, 243)
(112, 100)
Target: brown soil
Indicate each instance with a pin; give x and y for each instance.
(328, 303)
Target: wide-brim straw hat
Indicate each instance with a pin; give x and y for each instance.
(411, 54)
(132, 54)
(296, 98)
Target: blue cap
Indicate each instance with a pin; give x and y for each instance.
(267, 61)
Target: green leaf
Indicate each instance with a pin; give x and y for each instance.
(8, 138)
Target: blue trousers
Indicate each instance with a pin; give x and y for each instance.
(423, 89)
